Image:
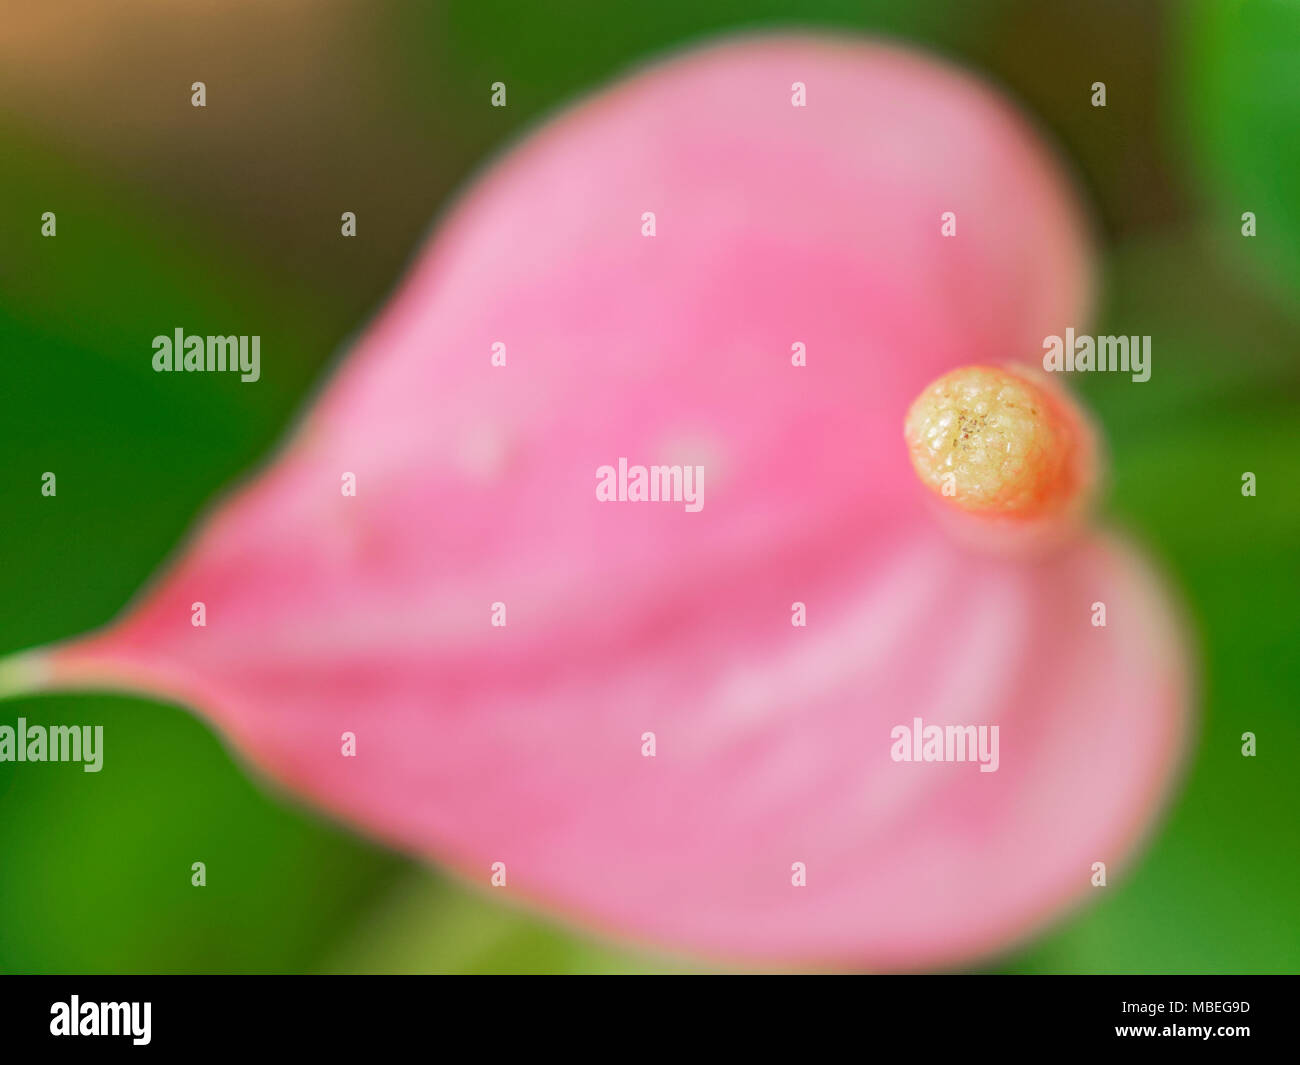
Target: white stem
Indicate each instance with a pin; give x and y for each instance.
(23, 673)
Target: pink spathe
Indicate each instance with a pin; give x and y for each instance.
(774, 225)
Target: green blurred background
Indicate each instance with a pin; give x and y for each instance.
(226, 220)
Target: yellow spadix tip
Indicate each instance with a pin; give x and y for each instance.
(998, 442)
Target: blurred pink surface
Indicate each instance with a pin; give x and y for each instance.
(522, 744)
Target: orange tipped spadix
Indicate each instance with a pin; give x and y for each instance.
(1005, 443)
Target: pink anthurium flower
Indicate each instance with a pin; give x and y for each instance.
(700, 726)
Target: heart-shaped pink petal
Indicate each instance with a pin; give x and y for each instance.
(774, 225)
